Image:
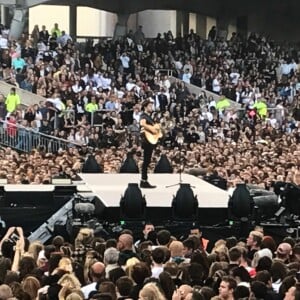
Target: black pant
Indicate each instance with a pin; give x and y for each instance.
(148, 149)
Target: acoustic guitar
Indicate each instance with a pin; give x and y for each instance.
(153, 138)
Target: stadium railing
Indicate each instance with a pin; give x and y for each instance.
(25, 139)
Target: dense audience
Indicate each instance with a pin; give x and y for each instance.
(94, 93)
(93, 99)
(154, 266)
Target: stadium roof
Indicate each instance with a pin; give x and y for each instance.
(207, 7)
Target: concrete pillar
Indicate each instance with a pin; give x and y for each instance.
(178, 23)
(2, 14)
(18, 23)
(222, 26)
(121, 25)
(185, 22)
(73, 21)
(201, 26)
(242, 26)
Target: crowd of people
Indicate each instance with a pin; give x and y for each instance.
(94, 93)
(154, 266)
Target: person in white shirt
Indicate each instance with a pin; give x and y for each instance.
(272, 121)
(158, 257)
(178, 65)
(124, 58)
(186, 77)
(216, 86)
(285, 68)
(63, 39)
(165, 83)
(76, 88)
(38, 116)
(136, 114)
(130, 85)
(3, 42)
(234, 76)
(96, 272)
(189, 67)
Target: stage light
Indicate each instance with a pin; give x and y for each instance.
(91, 165)
(266, 202)
(163, 165)
(241, 204)
(240, 209)
(133, 204)
(267, 206)
(185, 204)
(129, 165)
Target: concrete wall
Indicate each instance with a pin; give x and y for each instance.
(27, 98)
(210, 22)
(231, 28)
(100, 23)
(48, 15)
(94, 22)
(155, 21)
(90, 22)
(280, 25)
(193, 21)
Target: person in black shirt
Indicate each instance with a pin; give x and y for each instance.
(146, 123)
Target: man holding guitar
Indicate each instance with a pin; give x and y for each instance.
(150, 133)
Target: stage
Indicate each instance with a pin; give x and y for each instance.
(30, 206)
(110, 187)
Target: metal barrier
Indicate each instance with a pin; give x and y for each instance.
(94, 118)
(168, 72)
(26, 139)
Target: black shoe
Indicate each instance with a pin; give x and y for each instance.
(146, 185)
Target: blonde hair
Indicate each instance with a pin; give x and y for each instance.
(151, 292)
(31, 286)
(65, 263)
(34, 249)
(129, 265)
(176, 248)
(75, 295)
(70, 280)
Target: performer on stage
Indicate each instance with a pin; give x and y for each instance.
(150, 133)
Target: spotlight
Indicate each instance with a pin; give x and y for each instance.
(163, 165)
(240, 208)
(266, 202)
(133, 204)
(185, 204)
(241, 204)
(91, 165)
(129, 165)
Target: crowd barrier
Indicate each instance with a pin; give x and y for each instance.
(25, 139)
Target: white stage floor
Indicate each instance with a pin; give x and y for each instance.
(110, 187)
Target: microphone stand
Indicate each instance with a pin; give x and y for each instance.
(181, 166)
